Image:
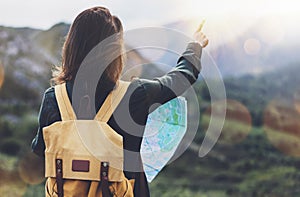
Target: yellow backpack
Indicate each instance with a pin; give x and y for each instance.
(85, 157)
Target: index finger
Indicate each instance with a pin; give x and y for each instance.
(200, 26)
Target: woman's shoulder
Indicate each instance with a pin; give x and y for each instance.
(49, 108)
(142, 91)
(49, 93)
(49, 98)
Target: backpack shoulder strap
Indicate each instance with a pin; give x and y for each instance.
(112, 101)
(64, 104)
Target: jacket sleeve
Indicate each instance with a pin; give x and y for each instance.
(175, 82)
(48, 114)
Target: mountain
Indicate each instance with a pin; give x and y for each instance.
(28, 55)
(52, 40)
(27, 64)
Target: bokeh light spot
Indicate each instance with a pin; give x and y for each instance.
(237, 123)
(15, 188)
(1, 74)
(31, 169)
(282, 126)
(10, 182)
(252, 46)
(297, 101)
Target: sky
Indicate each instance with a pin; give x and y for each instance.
(276, 22)
(139, 13)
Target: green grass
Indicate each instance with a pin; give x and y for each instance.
(233, 131)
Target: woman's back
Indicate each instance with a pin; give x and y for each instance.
(130, 116)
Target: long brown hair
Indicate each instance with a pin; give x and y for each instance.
(89, 28)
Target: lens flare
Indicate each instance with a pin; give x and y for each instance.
(150, 53)
(10, 182)
(31, 169)
(252, 46)
(237, 122)
(1, 74)
(282, 126)
(297, 101)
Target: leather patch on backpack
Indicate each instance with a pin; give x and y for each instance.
(80, 165)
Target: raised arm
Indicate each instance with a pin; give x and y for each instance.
(179, 79)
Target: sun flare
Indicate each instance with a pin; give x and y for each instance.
(226, 20)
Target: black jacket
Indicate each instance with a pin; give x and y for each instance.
(141, 95)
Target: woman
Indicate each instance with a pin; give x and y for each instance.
(90, 28)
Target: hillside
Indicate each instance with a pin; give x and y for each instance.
(27, 64)
(258, 151)
(28, 55)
